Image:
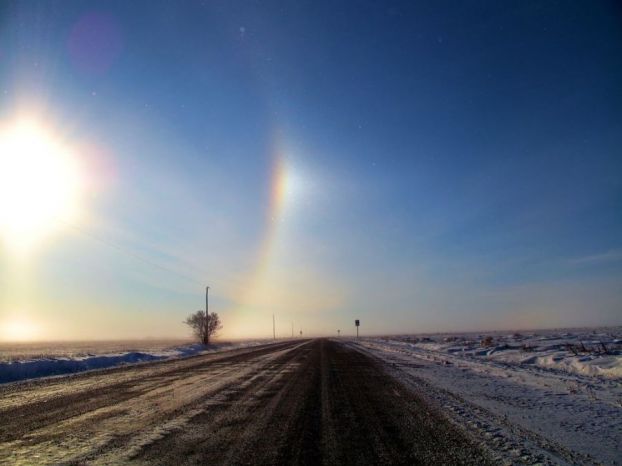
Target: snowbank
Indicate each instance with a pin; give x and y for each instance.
(43, 367)
(588, 353)
(22, 370)
(551, 397)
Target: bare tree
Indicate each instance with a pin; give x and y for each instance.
(204, 326)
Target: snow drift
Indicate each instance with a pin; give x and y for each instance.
(44, 367)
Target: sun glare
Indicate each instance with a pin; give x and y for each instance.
(39, 183)
(18, 330)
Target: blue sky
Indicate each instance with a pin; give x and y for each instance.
(441, 167)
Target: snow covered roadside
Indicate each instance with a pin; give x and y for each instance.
(14, 371)
(583, 352)
(525, 413)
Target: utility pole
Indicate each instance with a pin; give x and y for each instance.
(273, 328)
(292, 330)
(206, 315)
(338, 333)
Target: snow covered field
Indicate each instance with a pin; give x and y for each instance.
(28, 361)
(540, 396)
(585, 352)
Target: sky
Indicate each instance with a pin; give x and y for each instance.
(422, 166)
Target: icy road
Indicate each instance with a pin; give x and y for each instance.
(297, 402)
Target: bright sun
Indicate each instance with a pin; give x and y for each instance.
(39, 183)
(17, 330)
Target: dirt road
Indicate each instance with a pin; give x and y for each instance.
(301, 402)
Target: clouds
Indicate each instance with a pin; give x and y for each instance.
(608, 257)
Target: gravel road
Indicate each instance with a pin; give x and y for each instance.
(296, 402)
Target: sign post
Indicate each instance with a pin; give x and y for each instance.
(357, 323)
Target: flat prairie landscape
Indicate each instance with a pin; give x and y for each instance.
(415, 399)
(75, 349)
(280, 232)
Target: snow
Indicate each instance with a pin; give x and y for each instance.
(30, 368)
(583, 352)
(165, 398)
(526, 396)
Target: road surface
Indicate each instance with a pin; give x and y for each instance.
(297, 402)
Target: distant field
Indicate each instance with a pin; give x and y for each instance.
(77, 349)
(586, 351)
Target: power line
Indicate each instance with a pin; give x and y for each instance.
(231, 280)
(125, 250)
